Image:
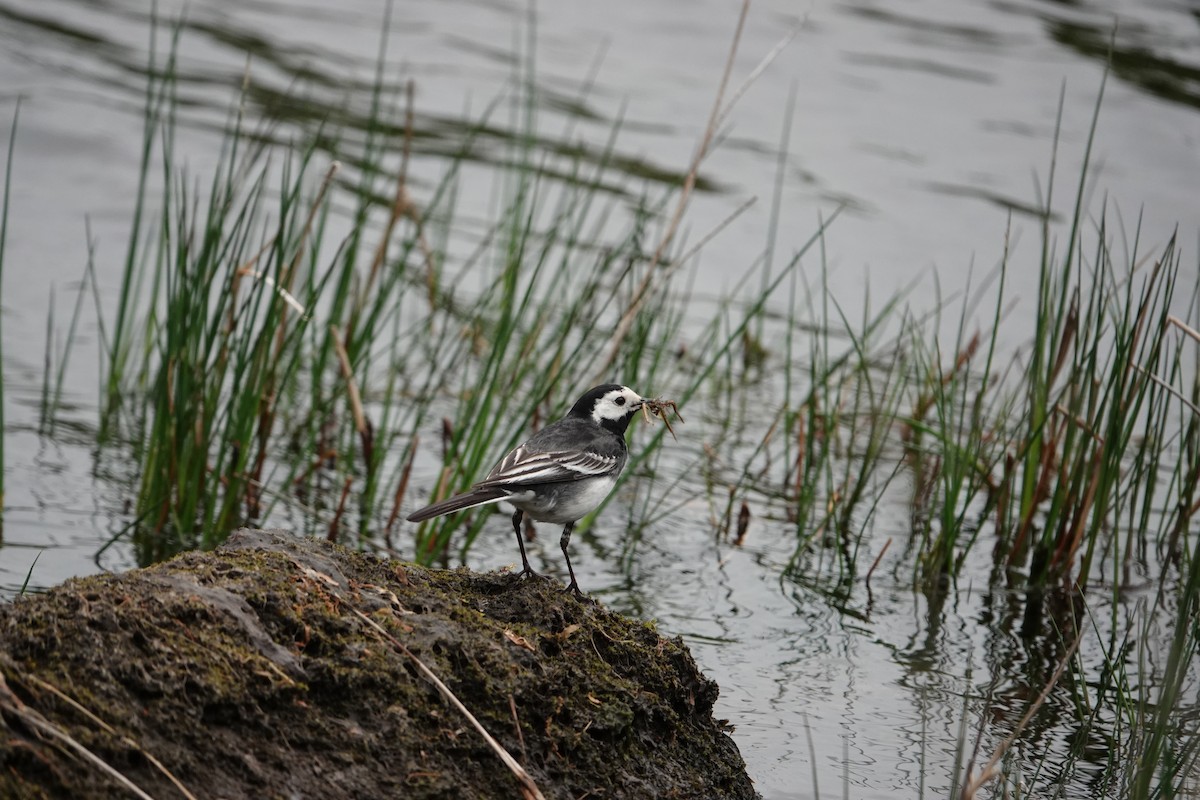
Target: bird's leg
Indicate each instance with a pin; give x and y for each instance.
(573, 586)
(525, 568)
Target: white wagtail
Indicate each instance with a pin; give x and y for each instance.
(561, 473)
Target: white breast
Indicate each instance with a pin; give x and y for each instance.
(567, 502)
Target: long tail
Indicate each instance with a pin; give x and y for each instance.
(474, 497)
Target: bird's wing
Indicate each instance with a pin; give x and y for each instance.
(523, 467)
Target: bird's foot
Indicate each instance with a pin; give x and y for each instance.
(527, 572)
(573, 587)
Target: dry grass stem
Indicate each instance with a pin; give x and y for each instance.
(529, 788)
(356, 407)
(643, 289)
(400, 202)
(708, 237)
(875, 563)
(992, 768)
(109, 729)
(289, 274)
(1171, 390)
(755, 73)
(336, 523)
(401, 490)
(10, 703)
(284, 294)
(1079, 421)
(512, 707)
(1183, 326)
(309, 221)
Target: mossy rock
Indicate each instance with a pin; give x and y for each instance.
(246, 672)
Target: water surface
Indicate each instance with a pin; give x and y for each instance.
(933, 123)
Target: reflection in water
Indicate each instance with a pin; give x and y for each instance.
(924, 122)
(1132, 60)
(306, 89)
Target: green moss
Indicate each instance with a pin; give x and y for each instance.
(246, 673)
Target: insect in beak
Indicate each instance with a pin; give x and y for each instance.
(659, 407)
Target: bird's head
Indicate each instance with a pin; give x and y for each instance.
(610, 405)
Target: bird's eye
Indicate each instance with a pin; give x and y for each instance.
(620, 401)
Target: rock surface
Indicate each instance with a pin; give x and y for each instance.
(248, 672)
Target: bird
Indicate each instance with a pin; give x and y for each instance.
(561, 473)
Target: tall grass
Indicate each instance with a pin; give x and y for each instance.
(1165, 742)
(260, 365)
(1067, 460)
(1056, 453)
(224, 323)
(8, 165)
(272, 359)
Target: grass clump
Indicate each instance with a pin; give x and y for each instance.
(207, 340)
(271, 360)
(1057, 474)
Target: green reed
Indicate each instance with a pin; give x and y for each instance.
(8, 167)
(270, 359)
(223, 297)
(1068, 460)
(1053, 455)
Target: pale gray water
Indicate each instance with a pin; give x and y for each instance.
(929, 120)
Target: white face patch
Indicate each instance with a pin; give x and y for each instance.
(617, 404)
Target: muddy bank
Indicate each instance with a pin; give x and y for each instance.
(249, 672)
